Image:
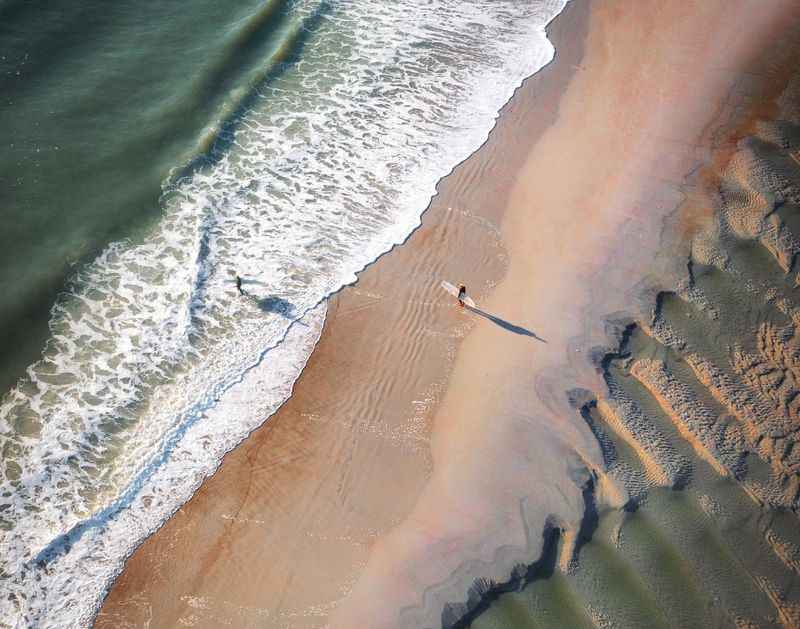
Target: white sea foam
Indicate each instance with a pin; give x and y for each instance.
(156, 367)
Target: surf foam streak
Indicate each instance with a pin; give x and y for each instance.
(156, 367)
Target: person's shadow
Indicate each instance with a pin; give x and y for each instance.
(273, 304)
(277, 305)
(516, 329)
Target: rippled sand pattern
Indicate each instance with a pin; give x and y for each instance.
(693, 520)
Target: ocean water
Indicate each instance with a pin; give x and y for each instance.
(153, 152)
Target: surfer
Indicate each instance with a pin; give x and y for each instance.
(239, 285)
(462, 292)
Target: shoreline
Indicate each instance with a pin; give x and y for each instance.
(384, 490)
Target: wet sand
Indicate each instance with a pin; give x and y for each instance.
(292, 514)
(427, 447)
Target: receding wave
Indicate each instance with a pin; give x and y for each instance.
(156, 366)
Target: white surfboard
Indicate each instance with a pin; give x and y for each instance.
(454, 292)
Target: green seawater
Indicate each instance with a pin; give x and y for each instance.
(98, 101)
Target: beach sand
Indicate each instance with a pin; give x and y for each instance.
(429, 451)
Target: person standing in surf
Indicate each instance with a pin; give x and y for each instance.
(239, 285)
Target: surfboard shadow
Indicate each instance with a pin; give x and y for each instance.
(246, 282)
(516, 329)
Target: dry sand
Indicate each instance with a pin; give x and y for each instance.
(410, 463)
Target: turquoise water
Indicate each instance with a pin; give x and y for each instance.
(153, 152)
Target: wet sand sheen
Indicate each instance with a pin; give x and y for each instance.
(409, 464)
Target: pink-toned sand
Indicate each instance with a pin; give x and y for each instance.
(426, 446)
